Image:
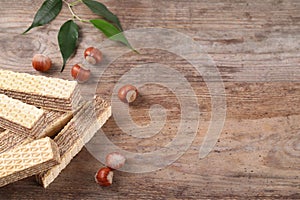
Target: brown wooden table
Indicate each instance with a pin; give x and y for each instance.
(255, 46)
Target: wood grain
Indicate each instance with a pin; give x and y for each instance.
(254, 44)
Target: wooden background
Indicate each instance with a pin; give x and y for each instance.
(255, 45)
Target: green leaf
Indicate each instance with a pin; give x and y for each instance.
(47, 12)
(110, 31)
(67, 40)
(101, 10)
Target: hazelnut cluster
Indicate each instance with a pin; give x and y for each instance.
(113, 161)
(92, 55)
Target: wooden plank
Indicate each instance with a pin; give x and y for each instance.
(254, 44)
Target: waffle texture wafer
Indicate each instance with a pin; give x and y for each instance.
(9, 140)
(27, 160)
(20, 117)
(41, 91)
(55, 121)
(76, 134)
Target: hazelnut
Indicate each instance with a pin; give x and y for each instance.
(41, 62)
(128, 93)
(115, 160)
(79, 73)
(93, 55)
(104, 176)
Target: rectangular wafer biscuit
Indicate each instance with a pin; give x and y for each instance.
(41, 91)
(27, 160)
(55, 121)
(9, 140)
(20, 117)
(74, 136)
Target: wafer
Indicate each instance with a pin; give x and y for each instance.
(40, 91)
(75, 134)
(27, 160)
(10, 140)
(55, 121)
(20, 117)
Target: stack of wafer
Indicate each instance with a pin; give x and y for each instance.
(10, 139)
(28, 159)
(76, 134)
(20, 117)
(40, 91)
(35, 108)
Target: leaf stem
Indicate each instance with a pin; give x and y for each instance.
(75, 3)
(70, 5)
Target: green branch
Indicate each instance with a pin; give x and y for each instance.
(70, 5)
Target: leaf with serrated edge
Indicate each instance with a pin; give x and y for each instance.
(101, 10)
(67, 40)
(47, 12)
